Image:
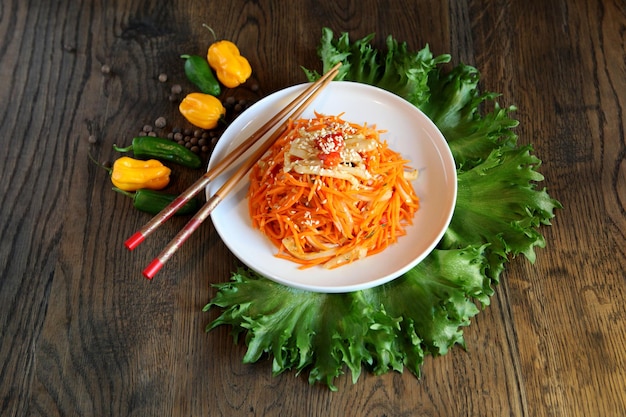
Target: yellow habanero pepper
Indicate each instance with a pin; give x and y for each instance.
(231, 68)
(130, 174)
(202, 110)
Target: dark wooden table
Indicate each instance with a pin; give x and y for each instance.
(83, 334)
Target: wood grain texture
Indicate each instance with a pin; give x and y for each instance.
(82, 334)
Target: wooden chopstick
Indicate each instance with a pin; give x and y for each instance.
(158, 262)
(136, 239)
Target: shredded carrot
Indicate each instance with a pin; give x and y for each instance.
(315, 217)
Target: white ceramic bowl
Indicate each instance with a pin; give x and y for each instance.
(408, 131)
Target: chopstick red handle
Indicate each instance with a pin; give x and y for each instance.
(153, 268)
(181, 237)
(134, 241)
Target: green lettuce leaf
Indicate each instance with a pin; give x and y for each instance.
(398, 70)
(455, 106)
(498, 204)
(301, 329)
(383, 329)
(394, 326)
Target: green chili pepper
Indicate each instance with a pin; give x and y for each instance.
(199, 72)
(153, 202)
(162, 149)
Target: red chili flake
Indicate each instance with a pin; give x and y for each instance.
(330, 160)
(330, 147)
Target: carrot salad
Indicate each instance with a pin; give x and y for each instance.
(330, 192)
